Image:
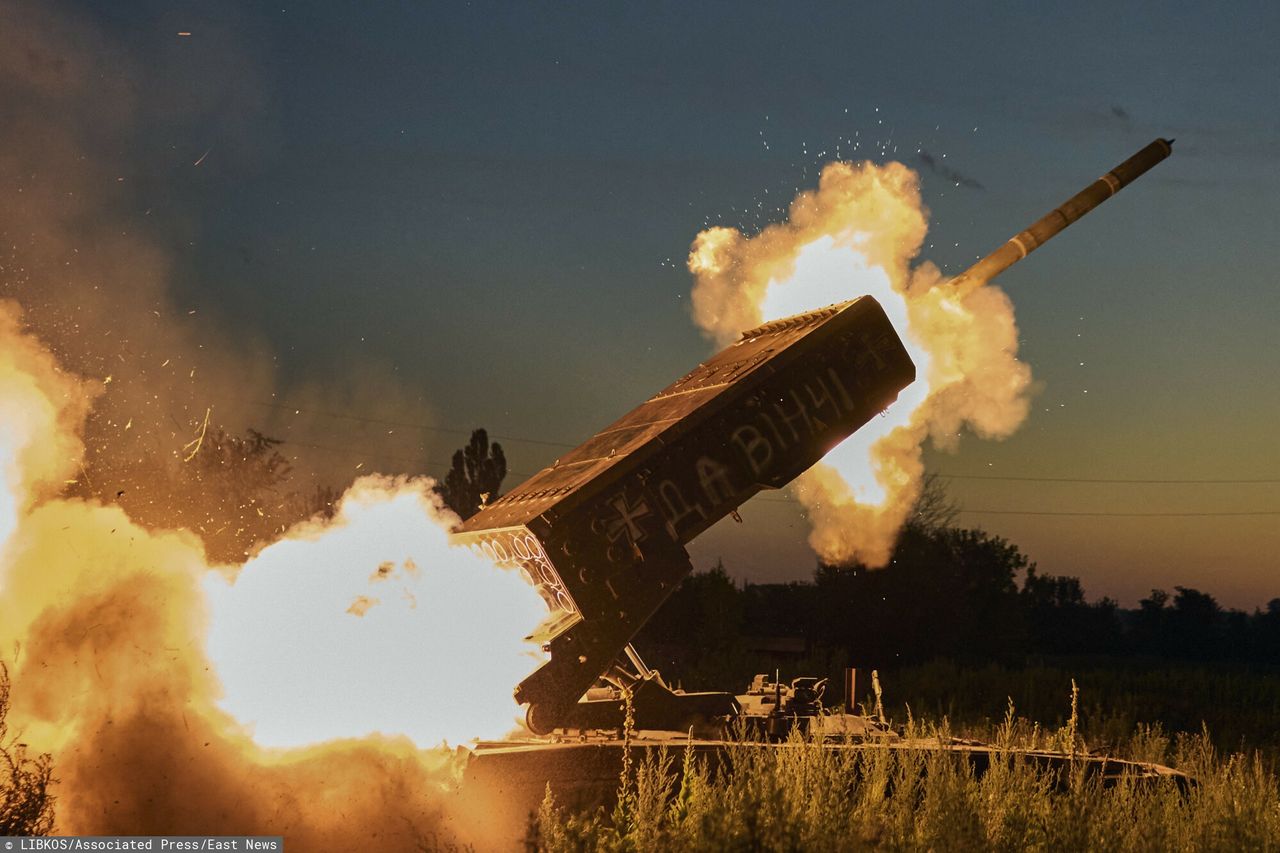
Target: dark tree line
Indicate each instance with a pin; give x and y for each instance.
(947, 593)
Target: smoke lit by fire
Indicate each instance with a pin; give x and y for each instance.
(857, 234)
(157, 680)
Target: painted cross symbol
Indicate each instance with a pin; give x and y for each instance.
(873, 347)
(627, 519)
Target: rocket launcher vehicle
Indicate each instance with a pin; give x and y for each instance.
(601, 533)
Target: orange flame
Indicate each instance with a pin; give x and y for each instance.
(373, 623)
(857, 234)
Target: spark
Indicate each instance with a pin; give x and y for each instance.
(198, 441)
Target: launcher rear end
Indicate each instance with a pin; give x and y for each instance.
(601, 533)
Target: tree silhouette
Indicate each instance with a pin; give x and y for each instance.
(705, 611)
(1060, 621)
(26, 806)
(934, 509)
(475, 477)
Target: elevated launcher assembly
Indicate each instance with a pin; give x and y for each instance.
(601, 533)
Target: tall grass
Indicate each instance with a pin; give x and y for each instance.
(802, 797)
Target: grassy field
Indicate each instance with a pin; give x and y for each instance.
(809, 799)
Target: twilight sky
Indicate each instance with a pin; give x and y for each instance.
(487, 207)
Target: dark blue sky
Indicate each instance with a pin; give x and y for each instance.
(494, 203)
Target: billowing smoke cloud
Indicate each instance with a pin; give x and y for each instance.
(858, 234)
(95, 210)
(131, 650)
(40, 406)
